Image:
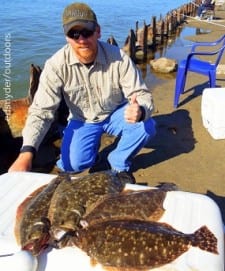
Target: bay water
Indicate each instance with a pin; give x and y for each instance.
(31, 31)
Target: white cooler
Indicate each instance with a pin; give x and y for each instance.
(213, 111)
(184, 211)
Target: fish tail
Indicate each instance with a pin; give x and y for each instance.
(205, 240)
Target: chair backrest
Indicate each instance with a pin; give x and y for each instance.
(208, 5)
(220, 50)
(219, 46)
(207, 2)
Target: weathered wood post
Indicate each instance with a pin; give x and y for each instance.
(136, 29)
(130, 45)
(154, 31)
(145, 45)
(162, 34)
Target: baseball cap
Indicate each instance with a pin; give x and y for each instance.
(78, 14)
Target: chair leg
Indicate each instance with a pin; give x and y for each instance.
(180, 84)
(212, 79)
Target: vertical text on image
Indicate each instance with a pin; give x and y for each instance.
(7, 73)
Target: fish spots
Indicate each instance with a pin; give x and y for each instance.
(136, 244)
(143, 205)
(32, 223)
(113, 227)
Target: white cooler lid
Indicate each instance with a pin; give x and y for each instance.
(185, 211)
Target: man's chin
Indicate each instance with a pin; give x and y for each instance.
(87, 57)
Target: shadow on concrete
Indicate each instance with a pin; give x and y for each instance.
(196, 91)
(174, 137)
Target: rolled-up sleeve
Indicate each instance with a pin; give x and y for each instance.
(41, 113)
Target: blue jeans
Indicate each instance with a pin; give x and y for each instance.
(81, 142)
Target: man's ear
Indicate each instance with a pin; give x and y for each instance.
(98, 31)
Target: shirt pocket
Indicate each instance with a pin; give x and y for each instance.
(112, 96)
(78, 96)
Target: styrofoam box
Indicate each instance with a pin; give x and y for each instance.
(184, 211)
(213, 111)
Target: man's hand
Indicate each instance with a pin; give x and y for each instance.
(22, 163)
(133, 111)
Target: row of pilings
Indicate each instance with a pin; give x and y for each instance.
(151, 36)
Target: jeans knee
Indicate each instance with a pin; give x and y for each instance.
(74, 165)
(150, 128)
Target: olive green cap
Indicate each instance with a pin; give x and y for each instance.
(78, 14)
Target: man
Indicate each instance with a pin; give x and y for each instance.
(104, 92)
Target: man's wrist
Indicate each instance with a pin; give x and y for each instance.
(27, 148)
(142, 113)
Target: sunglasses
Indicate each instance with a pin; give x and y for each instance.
(75, 34)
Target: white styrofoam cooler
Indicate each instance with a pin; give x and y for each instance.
(184, 211)
(213, 111)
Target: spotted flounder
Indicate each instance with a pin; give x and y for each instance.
(142, 205)
(32, 227)
(135, 244)
(72, 199)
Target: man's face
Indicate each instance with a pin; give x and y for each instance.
(84, 43)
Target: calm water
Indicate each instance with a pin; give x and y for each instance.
(31, 31)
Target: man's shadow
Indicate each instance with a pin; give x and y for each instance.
(174, 136)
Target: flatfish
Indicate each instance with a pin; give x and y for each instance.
(32, 227)
(142, 205)
(72, 199)
(135, 244)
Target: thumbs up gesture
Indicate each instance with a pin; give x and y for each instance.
(133, 111)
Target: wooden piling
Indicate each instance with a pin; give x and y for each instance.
(157, 33)
(154, 31)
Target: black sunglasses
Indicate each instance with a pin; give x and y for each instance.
(75, 34)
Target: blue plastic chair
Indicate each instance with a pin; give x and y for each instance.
(194, 64)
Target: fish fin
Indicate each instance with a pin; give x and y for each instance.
(157, 214)
(21, 209)
(23, 205)
(205, 240)
(112, 268)
(93, 262)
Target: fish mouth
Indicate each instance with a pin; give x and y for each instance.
(37, 246)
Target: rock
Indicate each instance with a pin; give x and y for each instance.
(220, 69)
(163, 65)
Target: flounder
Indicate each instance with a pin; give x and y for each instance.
(72, 199)
(136, 244)
(142, 205)
(32, 224)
